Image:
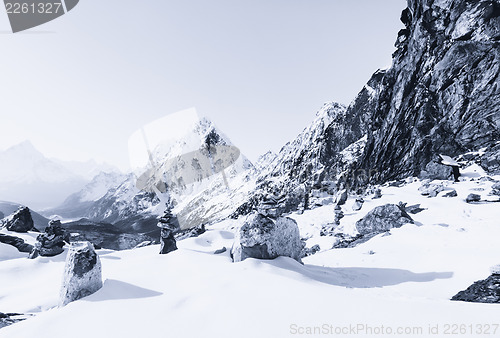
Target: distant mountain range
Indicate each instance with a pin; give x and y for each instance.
(28, 177)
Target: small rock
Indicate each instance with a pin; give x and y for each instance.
(219, 251)
(342, 197)
(358, 204)
(473, 198)
(430, 189)
(82, 273)
(452, 193)
(310, 251)
(414, 209)
(495, 189)
(377, 194)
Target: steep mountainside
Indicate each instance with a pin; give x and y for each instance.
(442, 93)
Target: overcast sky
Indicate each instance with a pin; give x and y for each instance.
(79, 86)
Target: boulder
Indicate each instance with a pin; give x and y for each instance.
(82, 273)
(483, 291)
(436, 171)
(383, 218)
(311, 251)
(20, 221)
(266, 238)
(471, 198)
(52, 241)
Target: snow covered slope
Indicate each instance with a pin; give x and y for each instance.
(402, 281)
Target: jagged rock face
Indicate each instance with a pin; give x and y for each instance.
(265, 238)
(383, 218)
(20, 221)
(442, 93)
(483, 291)
(82, 273)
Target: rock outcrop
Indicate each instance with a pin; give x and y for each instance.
(483, 291)
(82, 273)
(20, 221)
(263, 237)
(52, 241)
(382, 219)
(442, 92)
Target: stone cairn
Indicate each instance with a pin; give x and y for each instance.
(52, 241)
(169, 226)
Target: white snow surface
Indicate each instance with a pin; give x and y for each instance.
(404, 280)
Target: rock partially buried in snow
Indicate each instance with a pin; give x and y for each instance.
(20, 221)
(383, 218)
(483, 291)
(266, 238)
(471, 198)
(82, 273)
(358, 204)
(452, 193)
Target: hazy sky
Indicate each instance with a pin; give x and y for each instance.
(79, 86)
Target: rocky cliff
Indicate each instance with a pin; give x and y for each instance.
(442, 92)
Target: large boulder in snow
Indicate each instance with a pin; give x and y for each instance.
(20, 221)
(436, 171)
(483, 291)
(267, 238)
(51, 242)
(82, 273)
(383, 218)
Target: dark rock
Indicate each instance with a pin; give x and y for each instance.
(1, 215)
(169, 226)
(7, 319)
(377, 194)
(82, 273)
(267, 238)
(20, 221)
(17, 242)
(383, 218)
(473, 198)
(188, 233)
(452, 193)
(52, 241)
(414, 209)
(219, 251)
(339, 214)
(436, 171)
(483, 291)
(311, 251)
(342, 197)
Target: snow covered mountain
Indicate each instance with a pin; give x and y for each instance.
(202, 200)
(30, 178)
(77, 204)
